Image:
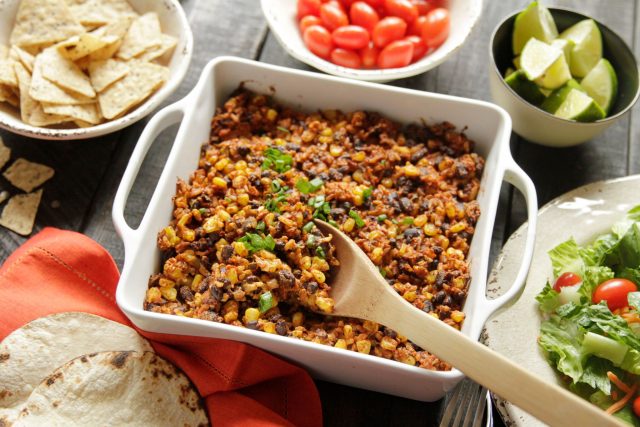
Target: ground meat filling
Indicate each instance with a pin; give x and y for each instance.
(242, 247)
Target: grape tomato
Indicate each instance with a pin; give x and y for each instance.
(388, 30)
(318, 40)
(350, 37)
(308, 21)
(308, 7)
(566, 279)
(419, 48)
(363, 15)
(403, 9)
(333, 16)
(345, 58)
(369, 56)
(396, 54)
(435, 29)
(615, 292)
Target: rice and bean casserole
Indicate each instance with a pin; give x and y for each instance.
(242, 247)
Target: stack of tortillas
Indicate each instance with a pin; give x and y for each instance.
(77, 369)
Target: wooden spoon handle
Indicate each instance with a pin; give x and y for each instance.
(548, 402)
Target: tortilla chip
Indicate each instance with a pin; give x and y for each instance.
(7, 74)
(4, 52)
(24, 57)
(104, 73)
(101, 12)
(77, 47)
(7, 94)
(4, 195)
(166, 46)
(36, 349)
(144, 33)
(5, 153)
(65, 73)
(27, 175)
(135, 87)
(20, 212)
(30, 110)
(86, 112)
(82, 124)
(43, 90)
(43, 22)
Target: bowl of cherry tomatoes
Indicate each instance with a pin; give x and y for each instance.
(372, 40)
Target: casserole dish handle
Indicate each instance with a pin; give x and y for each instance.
(166, 117)
(515, 176)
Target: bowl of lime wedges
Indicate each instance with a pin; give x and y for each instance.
(563, 77)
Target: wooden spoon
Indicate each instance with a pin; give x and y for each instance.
(359, 291)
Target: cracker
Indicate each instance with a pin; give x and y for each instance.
(144, 33)
(167, 44)
(5, 153)
(77, 47)
(65, 73)
(27, 175)
(7, 74)
(143, 79)
(43, 22)
(19, 214)
(43, 90)
(104, 73)
(86, 112)
(24, 57)
(30, 110)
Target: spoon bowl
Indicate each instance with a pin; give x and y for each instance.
(360, 291)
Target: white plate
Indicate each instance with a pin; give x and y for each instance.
(281, 17)
(583, 213)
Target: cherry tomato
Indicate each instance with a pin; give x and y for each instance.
(423, 6)
(375, 3)
(336, 3)
(419, 48)
(615, 292)
(333, 16)
(364, 15)
(436, 28)
(396, 54)
(369, 56)
(415, 29)
(308, 21)
(387, 30)
(403, 9)
(318, 40)
(566, 279)
(308, 7)
(346, 4)
(346, 58)
(350, 37)
(636, 406)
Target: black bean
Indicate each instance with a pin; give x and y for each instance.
(227, 252)
(215, 293)
(286, 278)
(434, 264)
(390, 332)
(281, 328)
(252, 325)
(253, 267)
(415, 158)
(412, 233)
(437, 249)
(337, 212)
(266, 173)
(275, 317)
(406, 205)
(335, 175)
(439, 297)
(243, 150)
(447, 301)
(251, 279)
(440, 279)
(186, 293)
(279, 247)
(292, 146)
(428, 307)
(311, 287)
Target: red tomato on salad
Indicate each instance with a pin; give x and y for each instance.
(435, 30)
(351, 37)
(566, 279)
(396, 54)
(636, 406)
(614, 292)
(318, 40)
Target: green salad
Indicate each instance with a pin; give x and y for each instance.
(591, 327)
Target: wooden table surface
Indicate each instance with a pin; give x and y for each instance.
(88, 172)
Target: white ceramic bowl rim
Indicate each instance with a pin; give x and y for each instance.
(545, 113)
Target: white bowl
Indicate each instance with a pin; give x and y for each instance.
(173, 22)
(489, 126)
(281, 17)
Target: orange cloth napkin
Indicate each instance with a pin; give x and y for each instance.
(58, 271)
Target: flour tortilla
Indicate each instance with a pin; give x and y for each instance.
(114, 388)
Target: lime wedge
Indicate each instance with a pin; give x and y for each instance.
(528, 90)
(588, 46)
(537, 57)
(601, 84)
(534, 21)
(516, 62)
(566, 46)
(508, 72)
(580, 107)
(556, 75)
(557, 97)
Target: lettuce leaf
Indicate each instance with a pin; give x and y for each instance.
(566, 257)
(561, 339)
(603, 401)
(548, 299)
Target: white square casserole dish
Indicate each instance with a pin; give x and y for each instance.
(489, 126)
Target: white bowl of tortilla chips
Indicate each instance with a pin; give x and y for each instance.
(77, 69)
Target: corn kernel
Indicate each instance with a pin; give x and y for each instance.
(358, 176)
(326, 132)
(430, 229)
(232, 275)
(370, 326)
(280, 141)
(170, 233)
(243, 199)
(408, 359)
(169, 294)
(297, 319)
(359, 156)
(240, 249)
(195, 283)
(166, 283)
(154, 295)
(427, 295)
(376, 255)
(459, 282)
(363, 346)
(387, 182)
(325, 139)
(458, 227)
(318, 275)
(188, 234)
(241, 165)
(341, 344)
(268, 219)
(305, 263)
(269, 327)
(411, 171)
(325, 304)
(239, 181)
(457, 316)
(348, 225)
(335, 150)
(420, 220)
(402, 150)
(388, 343)
(212, 224)
(450, 210)
(348, 331)
(251, 315)
(410, 296)
(272, 114)
(222, 163)
(219, 182)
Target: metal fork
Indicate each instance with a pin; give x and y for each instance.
(465, 407)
